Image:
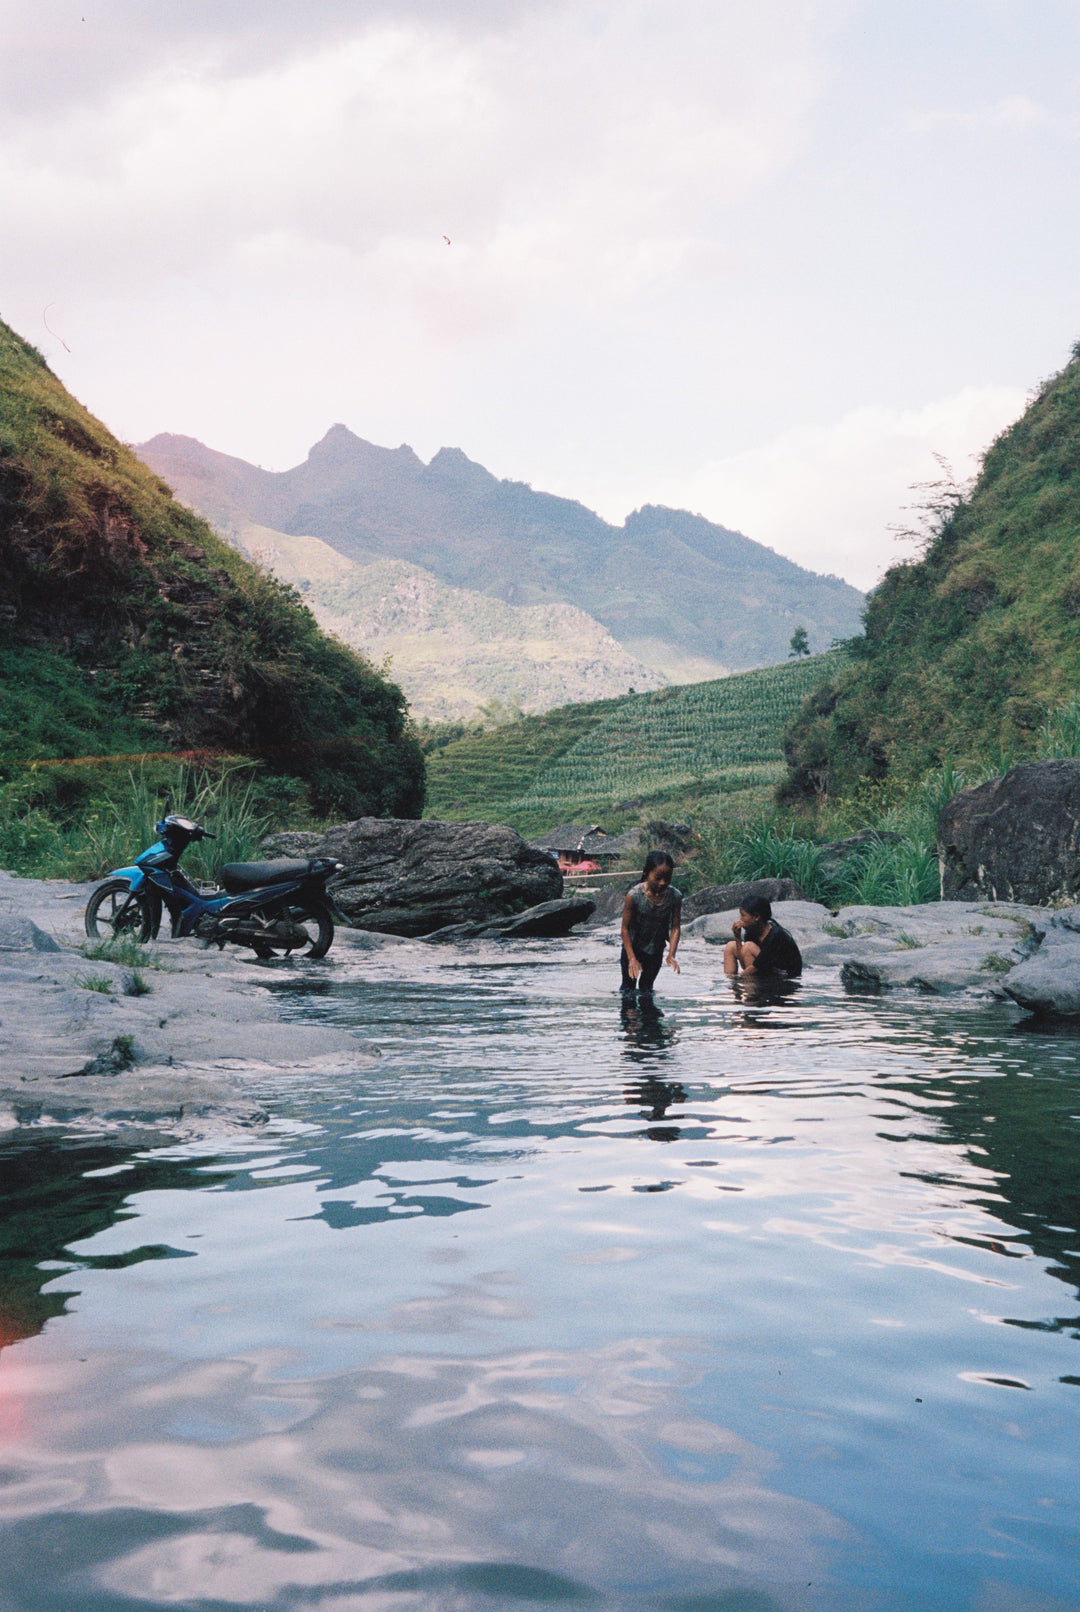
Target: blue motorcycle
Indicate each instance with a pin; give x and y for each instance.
(279, 906)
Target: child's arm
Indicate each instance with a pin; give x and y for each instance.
(673, 938)
(634, 965)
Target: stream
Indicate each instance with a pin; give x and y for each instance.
(748, 1303)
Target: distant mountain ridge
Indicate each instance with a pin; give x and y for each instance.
(689, 598)
(452, 650)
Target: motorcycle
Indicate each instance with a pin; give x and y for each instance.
(278, 906)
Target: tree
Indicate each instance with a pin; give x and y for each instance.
(800, 644)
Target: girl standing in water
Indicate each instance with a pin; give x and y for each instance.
(652, 917)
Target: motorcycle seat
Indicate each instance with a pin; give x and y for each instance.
(239, 876)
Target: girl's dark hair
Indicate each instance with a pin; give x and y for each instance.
(656, 859)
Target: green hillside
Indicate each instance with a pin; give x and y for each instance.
(966, 647)
(127, 626)
(615, 760)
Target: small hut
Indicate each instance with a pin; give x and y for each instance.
(585, 847)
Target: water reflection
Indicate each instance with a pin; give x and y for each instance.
(57, 1194)
(745, 1379)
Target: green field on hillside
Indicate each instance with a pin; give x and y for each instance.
(614, 760)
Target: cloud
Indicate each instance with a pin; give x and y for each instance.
(1010, 113)
(574, 154)
(827, 495)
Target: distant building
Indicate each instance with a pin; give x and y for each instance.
(575, 844)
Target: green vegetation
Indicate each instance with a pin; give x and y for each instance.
(102, 983)
(675, 750)
(127, 626)
(78, 822)
(966, 646)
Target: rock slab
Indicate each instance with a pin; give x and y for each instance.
(1049, 982)
(1015, 838)
(547, 921)
(404, 877)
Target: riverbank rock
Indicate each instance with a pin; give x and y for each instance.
(804, 920)
(1015, 838)
(406, 877)
(939, 947)
(547, 921)
(1048, 983)
(724, 897)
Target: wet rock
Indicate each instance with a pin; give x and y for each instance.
(1048, 983)
(953, 965)
(412, 878)
(725, 897)
(548, 920)
(1015, 838)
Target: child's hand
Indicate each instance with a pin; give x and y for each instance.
(635, 968)
(671, 963)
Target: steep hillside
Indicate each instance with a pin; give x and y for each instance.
(688, 598)
(965, 648)
(711, 744)
(126, 624)
(450, 649)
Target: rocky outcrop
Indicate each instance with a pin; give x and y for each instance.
(1015, 838)
(724, 897)
(1048, 983)
(411, 878)
(545, 922)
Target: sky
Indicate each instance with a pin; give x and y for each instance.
(761, 259)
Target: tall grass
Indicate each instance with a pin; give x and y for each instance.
(45, 836)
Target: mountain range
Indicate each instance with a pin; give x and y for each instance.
(671, 596)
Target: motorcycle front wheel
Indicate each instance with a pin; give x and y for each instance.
(114, 910)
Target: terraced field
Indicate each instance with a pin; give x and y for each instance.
(613, 759)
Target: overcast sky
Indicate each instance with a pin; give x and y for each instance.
(756, 258)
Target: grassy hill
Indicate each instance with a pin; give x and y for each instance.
(127, 625)
(966, 647)
(716, 744)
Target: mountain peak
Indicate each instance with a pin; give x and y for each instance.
(343, 449)
(451, 464)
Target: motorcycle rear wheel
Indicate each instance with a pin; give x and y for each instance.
(319, 925)
(114, 910)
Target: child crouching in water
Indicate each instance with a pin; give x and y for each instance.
(652, 917)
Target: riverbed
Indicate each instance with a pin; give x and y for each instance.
(747, 1303)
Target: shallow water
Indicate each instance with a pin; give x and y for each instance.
(749, 1305)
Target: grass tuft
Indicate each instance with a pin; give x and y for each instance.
(102, 983)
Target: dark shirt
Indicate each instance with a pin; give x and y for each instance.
(650, 922)
(779, 953)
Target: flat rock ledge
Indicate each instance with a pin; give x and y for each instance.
(179, 1060)
(1004, 949)
(546, 921)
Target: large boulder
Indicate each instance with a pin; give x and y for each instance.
(410, 878)
(1016, 838)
